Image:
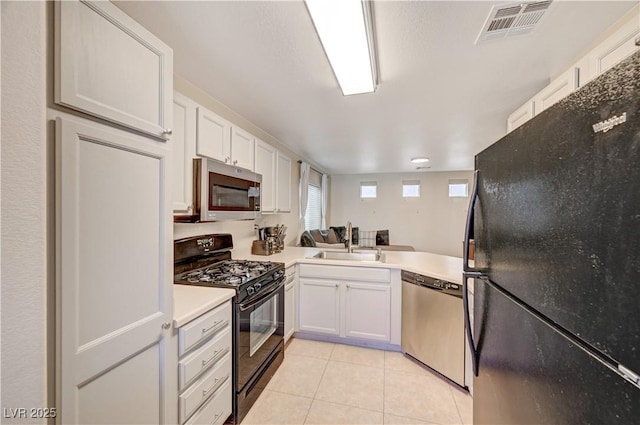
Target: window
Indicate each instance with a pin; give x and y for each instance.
(411, 188)
(313, 215)
(458, 188)
(368, 190)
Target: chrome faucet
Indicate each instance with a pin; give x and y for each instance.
(349, 237)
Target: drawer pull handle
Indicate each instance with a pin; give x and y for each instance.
(217, 383)
(216, 355)
(216, 416)
(216, 325)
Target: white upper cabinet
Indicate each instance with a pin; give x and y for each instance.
(109, 66)
(183, 144)
(265, 164)
(275, 168)
(213, 136)
(520, 116)
(283, 183)
(241, 148)
(618, 46)
(623, 41)
(558, 89)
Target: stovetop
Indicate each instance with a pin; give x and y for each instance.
(228, 273)
(205, 260)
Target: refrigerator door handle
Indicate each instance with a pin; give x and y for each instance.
(467, 322)
(468, 270)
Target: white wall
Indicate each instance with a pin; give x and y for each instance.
(24, 207)
(434, 222)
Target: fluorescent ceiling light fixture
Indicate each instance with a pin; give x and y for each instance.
(419, 160)
(345, 31)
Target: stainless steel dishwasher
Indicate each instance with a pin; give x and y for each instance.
(433, 325)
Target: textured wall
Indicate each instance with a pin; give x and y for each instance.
(24, 206)
(433, 223)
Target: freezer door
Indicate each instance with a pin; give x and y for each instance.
(557, 219)
(530, 374)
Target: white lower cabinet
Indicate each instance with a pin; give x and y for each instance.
(204, 368)
(348, 302)
(320, 306)
(290, 310)
(360, 300)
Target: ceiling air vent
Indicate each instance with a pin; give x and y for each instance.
(513, 19)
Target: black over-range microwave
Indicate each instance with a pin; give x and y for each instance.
(223, 192)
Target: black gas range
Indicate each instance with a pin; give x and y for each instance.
(258, 320)
(248, 278)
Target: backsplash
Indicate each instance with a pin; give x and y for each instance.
(242, 230)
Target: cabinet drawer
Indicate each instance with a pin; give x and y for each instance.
(203, 358)
(203, 327)
(216, 410)
(363, 274)
(205, 387)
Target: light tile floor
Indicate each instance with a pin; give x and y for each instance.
(324, 383)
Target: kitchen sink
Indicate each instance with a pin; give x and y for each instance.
(350, 256)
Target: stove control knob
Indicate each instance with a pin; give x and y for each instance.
(257, 286)
(251, 290)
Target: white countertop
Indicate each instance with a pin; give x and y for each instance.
(190, 302)
(425, 263)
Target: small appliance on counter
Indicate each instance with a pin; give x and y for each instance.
(270, 240)
(262, 248)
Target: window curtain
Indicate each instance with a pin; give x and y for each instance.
(325, 199)
(303, 192)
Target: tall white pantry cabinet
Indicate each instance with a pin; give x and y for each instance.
(114, 235)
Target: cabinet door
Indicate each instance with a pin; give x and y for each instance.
(109, 66)
(618, 46)
(183, 144)
(320, 306)
(367, 311)
(241, 148)
(213, 138)
(283, 181)
(289, 310)
(265, 164)
(558, 89)
(114, 275)
(520, 116)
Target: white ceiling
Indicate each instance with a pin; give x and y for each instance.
(440, 95)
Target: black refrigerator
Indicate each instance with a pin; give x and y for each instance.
(555, 216)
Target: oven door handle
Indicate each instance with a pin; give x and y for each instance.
(251, 304)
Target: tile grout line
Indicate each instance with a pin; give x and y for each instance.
(455, 402)
(384, 384)
(319, 383)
